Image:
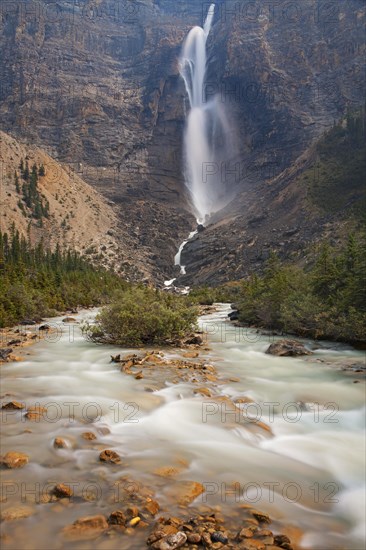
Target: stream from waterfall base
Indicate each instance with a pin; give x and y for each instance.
(308, 473)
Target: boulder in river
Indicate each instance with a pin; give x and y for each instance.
(13, 459)
(194, 340)
(233, 315)
(13, 405)
(62, 491)
(59, 443)
(288, 348)
(110, 456)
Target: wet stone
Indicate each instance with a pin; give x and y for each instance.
(283, 542)
(13, 405)
(16, 512)
(62, 491)
(117, 518)
(85, 528)
(217, 536)
(59, 443)
(89, 436)
(110, 457)
(14, 459)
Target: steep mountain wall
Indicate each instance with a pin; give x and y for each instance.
(96, 84)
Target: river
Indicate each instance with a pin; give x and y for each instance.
(306, 470)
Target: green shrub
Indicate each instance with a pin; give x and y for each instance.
(142, 316)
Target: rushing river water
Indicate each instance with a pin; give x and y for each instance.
(309, 472)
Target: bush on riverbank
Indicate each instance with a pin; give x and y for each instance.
(142, 316)
(327, 301)
(36, 282)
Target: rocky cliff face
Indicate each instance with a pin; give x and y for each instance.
(96, 84)
(78, 217)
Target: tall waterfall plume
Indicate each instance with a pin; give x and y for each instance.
(208, 142)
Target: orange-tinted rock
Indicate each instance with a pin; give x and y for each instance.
(59, 443)
(168, 471)
(89, 436)
(17, 512)
(35, 413)
(187, 491)
(13, 460)
(13, 405)
(152, 506)
(110, 456)
(86, 528)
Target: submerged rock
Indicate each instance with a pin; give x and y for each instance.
(89, 436)
(17, 512)
(88, 527)
(288, 348)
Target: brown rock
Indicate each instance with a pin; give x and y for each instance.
(194, 538)
(110, 456)
(191, 354)
(13, 405)
(168, 471)
(187, 491)
(62, 491)
(171, 542)
(89, 436)
(247, 532)
(35, 413)
(59, 443)
(86, 528)
(152, 506)
(117, 518)
(203, 391)
(69, 320)
(17, 512)
(132, 512)
(282, 541)
(194, 340)
(261, 517)
(288, 348)
(13, 459)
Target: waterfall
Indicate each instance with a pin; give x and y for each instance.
(207, 141)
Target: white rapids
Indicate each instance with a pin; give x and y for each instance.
(308, 473)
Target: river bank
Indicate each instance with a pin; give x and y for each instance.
(184, 441)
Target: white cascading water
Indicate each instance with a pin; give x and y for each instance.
(208, 143)
(207, 140)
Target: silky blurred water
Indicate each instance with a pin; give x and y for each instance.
(309, 472)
